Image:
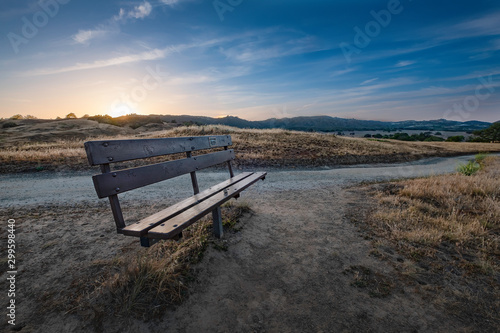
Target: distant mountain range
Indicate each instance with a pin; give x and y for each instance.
(333, 124)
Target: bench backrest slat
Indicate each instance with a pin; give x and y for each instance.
(112, 151)
(117, 182)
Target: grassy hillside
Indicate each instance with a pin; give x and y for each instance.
(59, 146)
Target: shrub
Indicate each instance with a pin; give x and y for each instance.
(469, 169)
(433, 138)
(9, 124)
(456, 138)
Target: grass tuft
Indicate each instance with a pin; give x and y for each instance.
(155, 279)
(472, 166)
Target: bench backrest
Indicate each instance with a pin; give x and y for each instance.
(111, 183)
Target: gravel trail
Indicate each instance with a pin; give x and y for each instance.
(58, 188)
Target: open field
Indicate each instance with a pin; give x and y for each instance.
(59, 146)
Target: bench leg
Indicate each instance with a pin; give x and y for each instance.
(146, 242)
(217, 219)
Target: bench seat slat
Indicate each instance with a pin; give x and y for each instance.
(117, 182)
(140, 228)
(175, 225)
(112, 151)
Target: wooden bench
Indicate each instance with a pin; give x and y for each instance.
(169, 222)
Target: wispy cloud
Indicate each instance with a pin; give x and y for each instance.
(170, 2)
(342, 72)
(474, 75)
(368, 81)
(113, 24)
(404, 63)
(84, 36)
(393, 52)
(139, 12)
(486, 25)
(173, 3)
(130, 58)
(269, 44)
(210, 75)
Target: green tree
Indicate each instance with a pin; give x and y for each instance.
(455, 138)
(30, 117)
(17, 117)
(490, 134)
(71, 116)
(433, 138)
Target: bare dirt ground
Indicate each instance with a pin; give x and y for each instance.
(298, 264)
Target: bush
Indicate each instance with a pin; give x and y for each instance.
(456, 138)
(9, 124)
(480, 158)
(104, 119)
(433, 138)
(473, 166)
(133, 120)
(469, 169)
(402, 137)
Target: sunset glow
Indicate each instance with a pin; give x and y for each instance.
(381, 60)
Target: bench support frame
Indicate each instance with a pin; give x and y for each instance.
(217, 221)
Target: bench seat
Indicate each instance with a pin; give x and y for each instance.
(142, 227)
(170, 228)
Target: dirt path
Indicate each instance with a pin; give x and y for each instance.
(293, 267)
(291, 270)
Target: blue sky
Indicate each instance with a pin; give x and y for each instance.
(382, 60)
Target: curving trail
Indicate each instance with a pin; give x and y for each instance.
(49, 188)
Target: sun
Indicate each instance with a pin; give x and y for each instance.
(122, 109)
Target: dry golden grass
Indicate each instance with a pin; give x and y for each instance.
(464, 210)
(156, 278)
(263, 148)
(448, 230)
